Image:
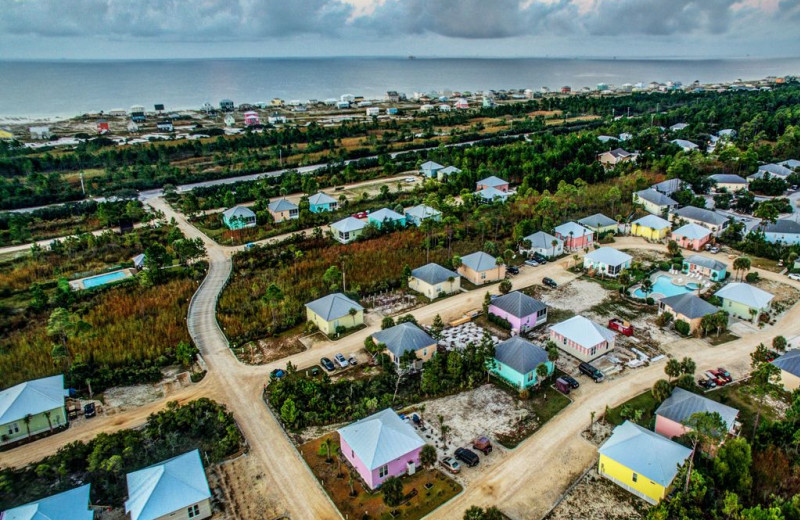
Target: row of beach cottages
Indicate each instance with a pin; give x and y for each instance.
(487, 190)
(281, 209)
(350, 228)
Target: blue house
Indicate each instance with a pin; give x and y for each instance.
(417, 214)
(516, 360)
(430, 169)
(238, 217)
(385, 215)
(320, 202)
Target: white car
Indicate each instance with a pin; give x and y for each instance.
(340, 359)
(795, 277)
(410, 179)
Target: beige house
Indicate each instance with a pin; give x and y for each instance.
(282, 209)
(789, 364)
(480, 268)
(729, 182)
(334, 311)
(433, 280)
(654, 201)
(615, 157)
(687, 307)
(403, 338)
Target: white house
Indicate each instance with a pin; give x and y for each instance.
(686, 146)
(544, 244)
(607, 261)
(785, 231)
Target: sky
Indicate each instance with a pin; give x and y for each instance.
(148, 29)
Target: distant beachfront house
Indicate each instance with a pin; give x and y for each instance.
(321, 202)
(417, 214)
(251, 119)
(679, 407)
(708, 267)
(433, 280)
(447, 171)
(175, 488)
(729, 182)
(744, 300)
(789, 364)
(333, 311)
(102, 127)
(599, 223)
(616, 156)
(386, 216)
(651, 227)
(686, 307)
(282, 209)
(480, 268)
(516, 360)
(461, 104)
(702, 217)
(31, 408)
(607, 261)
(544, 244)
(40, 132)
(783, 231)
(692, 236)
(492, 182)
(226, 105)
(520, 310)
(430, 169)
(406, 337)
(574, 236)
(686, 146)
(69, 505)
(347, 229)
(654, 201)
(582, 338)
(381, 446)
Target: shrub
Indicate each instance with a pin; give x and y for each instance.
(751, 277)
(664, 319)
(682, 327)
(650, 300)
(500, 322)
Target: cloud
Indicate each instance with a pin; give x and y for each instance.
(659, 17)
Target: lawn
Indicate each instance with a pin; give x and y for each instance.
(724, 337)
(645, 402)
(430, 488)
(738, 396)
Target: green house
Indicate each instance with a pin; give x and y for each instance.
(516, 360)
(31, 408)
(238, 217)
(744, 301)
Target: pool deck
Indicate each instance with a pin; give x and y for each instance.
(678, 279)
(77, 285)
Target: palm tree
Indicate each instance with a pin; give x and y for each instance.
(741, 265)
(49, 422)
(553, 243)
(541, 373)
(27, 420)
(647, 287)
(328, 444)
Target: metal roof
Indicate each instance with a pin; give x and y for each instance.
(540, 239)
(31, 398)
(646, 453)
(583, 331)
(282, 205)
(745, 294)
(609, 256)
(775, 169)
(333, 306)
(479, 261)
(655, 197)
(727, 178)
(69, 505)
(790, 362)
(703, 215)
(683, 143)
(384, 214)
(576, 229)
(520, 354)
(518, 304)
(682, 404)
(491, 193)
(689, 304)
(492, 181)
(321, 198)
(597, 220)
(433, 274)
(422, 211)
(430, 165)
(652, 222)
(449, 170)
(692, 231)
(404, 337)
(166, 487)
(238, 212)
(380, 438)
(706, 262)
(790, 163)
(349, 224)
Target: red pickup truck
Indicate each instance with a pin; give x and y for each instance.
(623, 327)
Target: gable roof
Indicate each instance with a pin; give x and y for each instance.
(597, 220)
(520, 354)
(69, 505)
(689, 304)
(31, 398)
(683, 143)
(620, 153)
(692, 231)
(745, 294)
(333, 306)
(678, 126)
(518, 304)
(775, 169)
(540, 240)
(282, 205)
(583, 331)
(430, 165)
(380, 438)
(479, 261)
(492, 181)
(652, 222)
(646, 453)
(682, 404)
(609, 256)
(703, 215)
(238, 212)
(669, 186)
(492, 193)
(576, 229)
(403, 337)
(785, 226)
(433, 273)
(166, 487)
(421, 211)
(447, 170)
(655, 197)
(706, 262)
(385, 214)
(790, 362)
(321, 198)
(727, 178)
(790, 163)
(349, 224)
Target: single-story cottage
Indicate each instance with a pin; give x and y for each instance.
(238, 217)
(333, 311)
(516, 360)
(544, 244)
(492, 182)
(686, 307)
(491, 195)
(322, 202)
(433, 280)
(520, 310)
(415, 215)
(681, 405)
(607, 261)
(347, 229)
(405, 337)
(616, 156)
(430, 169)
(744, 300)
(282, 209)
(385, 216)
(702, 217)
(785, 231)
(729, 182)
(789, 363)
(480, 268)
(692, 236)
(651, 227)
(582, 338)
(69, 505)
(447, 171)
(599, 223)
(683, 144)
(574, 236)
(705, 266)
(654, 202)
(31, 408)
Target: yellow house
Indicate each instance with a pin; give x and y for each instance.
(789, 364)
(651, 227)
(433, 281)
(641, 462)
(336, 310)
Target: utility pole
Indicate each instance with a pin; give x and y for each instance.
(83, 188)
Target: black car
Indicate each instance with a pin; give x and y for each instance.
(512, 269)
(706, 383)
(540, 258)
(328, 364)
(571, 381)
(549, 282)
(468, 457)
(89, 410)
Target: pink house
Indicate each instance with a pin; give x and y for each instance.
(381, 446)
(681, 405)
(492, 182)
(692, 236)
(520, 310)
(575, 236)
(251, 119)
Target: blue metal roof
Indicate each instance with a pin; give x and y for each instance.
(380, 438)
(69, 505)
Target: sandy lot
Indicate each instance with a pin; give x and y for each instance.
(240, 491)
(595, 498)
(125, 397)
(576, 296)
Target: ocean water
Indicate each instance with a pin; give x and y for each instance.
(30, 89)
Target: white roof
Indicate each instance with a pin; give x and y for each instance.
(31, 398)
(540, 240)
(609, 256)
(692, 232)
(166, 487)
(652, 222)
(422, 211)
(384, 214)
(576, 229)
(492, 181)
(69, 505)
(380, 438)
(745, 294)
(683, 143)
(348, 224)
(583, 331)
(321, 198)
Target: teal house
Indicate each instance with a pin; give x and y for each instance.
(321, 202)
(238, 217)
(516, 360)
(385, 216)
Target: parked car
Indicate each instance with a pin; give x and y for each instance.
(795, 277)
(360, 214)
(708, 247)
(327, 364)
(724, 374)
(540, 258)
(706, 383)
(711, 376)
(410, 179)
(512, 269)
(562, 386)
(352, 360)
(591, 371)
(249, 245)
(623, 327)
(89, 410)
(450, 464)
(532, 263)
(482, 444)
(340, 359)
(468, 457)
(277, 373)
(573, 383)
(549, 282)
(714, 250)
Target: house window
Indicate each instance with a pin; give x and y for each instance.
(592, 351)
(483, 276)
(13, 428)
(541, 313)
(383, 471)
(635, 477)
(194, 510)
(352, 454)
(424, 352)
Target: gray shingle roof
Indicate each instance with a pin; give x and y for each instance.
(520, 354)
(619, 153)
(282, 205)
(689, 304)
(784, 225)
(597, 220)
(655, 197)
(703, 215)
(540, 239)
(745, 294)
(492, 181)
(609, 256)
(518, 304)
(692, 231)
(706, 262)
(727, 178)
(321, 198)
(333, 306)
(775, 169)
(404, 337)
(790, 362)
(433, 273)
(682, 404)
(479, 261)
(348, 224)
(669, 186)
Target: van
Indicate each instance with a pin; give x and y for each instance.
(562, 386)
(468, 457)
(591, 371)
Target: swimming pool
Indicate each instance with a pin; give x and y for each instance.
(664, 286)
(96, 281)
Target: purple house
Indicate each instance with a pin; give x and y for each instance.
(520, 310)
(381, 446)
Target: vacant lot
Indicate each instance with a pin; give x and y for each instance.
(595, 498)
(240, 491)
